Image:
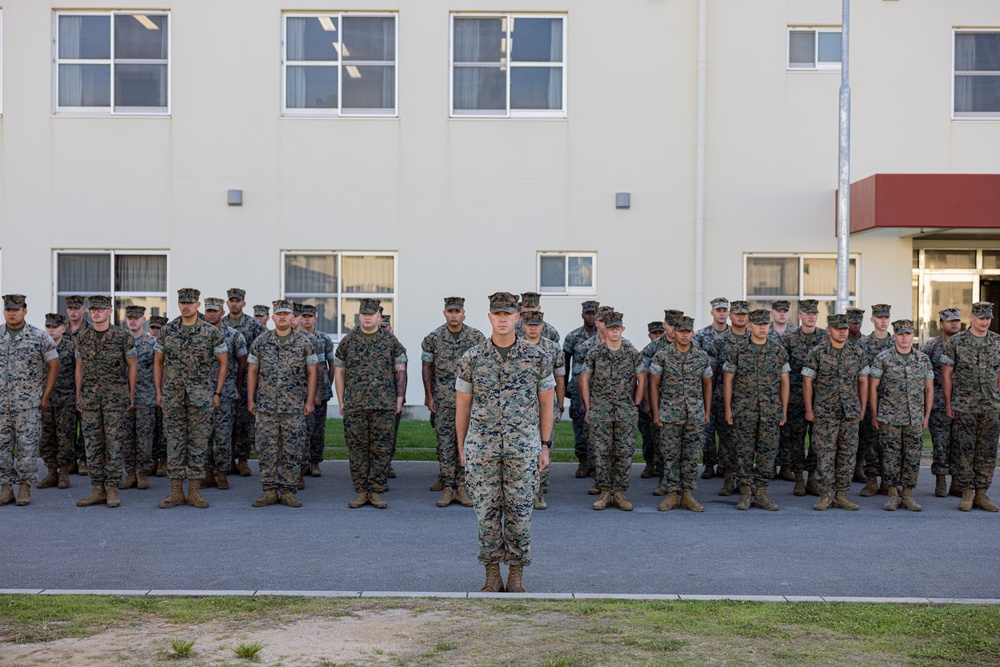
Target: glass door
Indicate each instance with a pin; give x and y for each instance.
(952, 290)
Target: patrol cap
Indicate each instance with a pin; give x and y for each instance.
(741, 307)
(74, 301)
(282, 306)
(531, 299)
(533, 317)
(100, 301)
(503, 302)
(950, 315)
(670, 316)
(781, 304)
(603, 311)
(759, 316)
(368, 306)
(589, 307)
(214, 303)
(236, 293)
(684, 324)
(855, 315)
(837, 322)
(386, 321)
(296, 308)
(655, 327)
(902, 326)
(808, 306)
(380, 311)
(186, 295)
(135, 311)
(309, 309)
(613, 319)
(983, 310)
(55, 320)
(881, 310)
(14, 301)
(157, 321)
(454, 303)
(261, 309)
(721, 302)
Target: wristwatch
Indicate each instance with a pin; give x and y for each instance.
(547, 443)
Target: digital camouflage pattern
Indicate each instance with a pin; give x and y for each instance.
(868, 446)
(573, 348)
(281, 437)
(59, 421)
(369, 370)
(722, 343)
(145, 390)
(370, 436)
(548, 331)
(324, 350)
(557, 367)
(140, 423)
(901, 386)
(798, 345)
(940, 423)
(974, 439)
(901, 447)
(243, 432)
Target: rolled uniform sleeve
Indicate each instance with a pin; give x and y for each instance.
(427, 350)
(463, 377)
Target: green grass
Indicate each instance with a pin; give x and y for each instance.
(181, 648)
(249, 651)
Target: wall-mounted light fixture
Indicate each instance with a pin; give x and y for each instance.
(235, 197)
(623, 200)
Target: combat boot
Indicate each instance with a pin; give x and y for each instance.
(221, 480)
(660, 490)
(142, 481)
(161, 467)
(708, 472)
(883, 489)
(288, 498)
(462, 497)
(871, 487)
(130, 481)
(955, 489)
(787, 475)
(727, 485)
(97, 496)
(689, 503)
(744, 502)
(359, 500)
(907, 500)
(811, 484)
(593, 490)
(494, 582)
(602, 502)
(269, 497)
(194, 497)
(112, 497)
(243, 467)
(515, 579)
(980, 500)
(540, 503)
(647, 472)
(376, 501)
(762, 501)
(841, 501)
(446, 497)
(24, 495)
(892, 503)
(582, 469)
(82, 469)
(823, 503)
(314, 470)
(941, 486)
(800, 486)
(669, 503)
(233, 468)
(73, 468)
(966, 503)
(63, 477)
(437, 486)
(6, 494)
(392, 473)
(50, 480)
(859, 473)
(301, 484)
(621, 501)
(208, 481)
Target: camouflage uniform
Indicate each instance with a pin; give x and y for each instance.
(243, 435)
(868, 447)
(940, 423)
(975, 401)
(548, 331)
(79, 448)
(756, 408)
(23, 370)
(902, 381)
(443, 350)
(682, 412)
(279, 401)
(369, 404)
(704, 340)
(651, 432)
(722, 344)
(503, 444)
(798, 346)
(573, 348)
(59, 421)
(141, 421)
(837, 410)
(104, 399)
(187, 392)
(558, 369)
(324, 391)
(218, 447)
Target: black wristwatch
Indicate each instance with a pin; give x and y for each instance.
(218, 393)
(547, 443)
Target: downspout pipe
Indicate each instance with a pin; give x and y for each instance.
(699, 221)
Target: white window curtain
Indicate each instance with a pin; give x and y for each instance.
(965, 61)
(84, 274)
(295, 77)
(140, 273)
(70, 76)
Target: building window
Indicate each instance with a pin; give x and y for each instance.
(508, 66)
(797, 277)
(567, 273)
(339, 65)
(814, 49)
(130, 278)
(112, 63)
(977, 75)
(335, 282)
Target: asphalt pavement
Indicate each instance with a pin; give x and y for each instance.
(415, 546)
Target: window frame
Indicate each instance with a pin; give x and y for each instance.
(802, 257)
(569, 291)
(817, 65)
(292, 112)
(970, 115)
(340, 295)
(510, 114)
(113, 253)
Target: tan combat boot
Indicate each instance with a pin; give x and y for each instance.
(446, 497)
(50, 480)
(6, 494)
(24, 495)
(955, 489)
(437, 486)
(841, 501)
(359, 500)
(660, 490)
(208, 481)
(883, 489)
(811, 484)
(270, 497)
(859, 473)
(314, 470)
(823, 503)
(727, 485)
(82, 469)
(392, 472)
(142, 483)
(161, 467)
(221, 481)
(621, 501)
(582, 469)
(602, 502)
(540, 503)
(288, 498)
(761, 500)
(176, 496)
(593, 490)
(515, 579)
(194, 497)
(494, 582)
(669, 503)
(708, 472)
(129, 481)
(233, 468)
(892, 503)
(689, 503)
(980, 500)
(965, 504)
(244, 468)
(462, 497)
(786, 474)
(871, 487)
(941, 486)
(376, 501)
(112, 497)
(744, 502)
(97, 496)
(63, 477)
(800, 485)
(907, 500)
